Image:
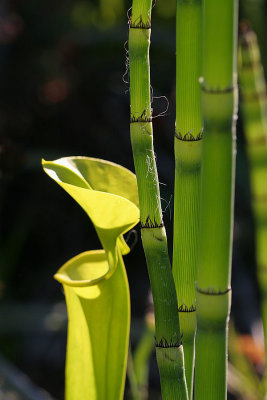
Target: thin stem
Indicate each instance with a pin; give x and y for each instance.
(131, 373)
(169, 350)
(142, 355)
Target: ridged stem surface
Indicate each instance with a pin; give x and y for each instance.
(169, 350)
(219, 100)
(189, 128)
(254, 114)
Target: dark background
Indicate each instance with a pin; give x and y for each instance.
(62, 93)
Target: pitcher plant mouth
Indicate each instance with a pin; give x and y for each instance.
(85, 273)
(86, 269)
(92, 267)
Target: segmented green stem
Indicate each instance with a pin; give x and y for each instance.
(219, 99)
(168, 339)
(254, 114)
(188, 136)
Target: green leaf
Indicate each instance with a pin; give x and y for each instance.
(95, 282)
(108, 194)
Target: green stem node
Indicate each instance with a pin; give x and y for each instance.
(159, 269)
(145, 168)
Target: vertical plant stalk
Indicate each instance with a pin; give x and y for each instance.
(254, 114)
(138, 362)
(143, 354)
(188, 135)
(135, 393)
(169, 350)
(219, 100)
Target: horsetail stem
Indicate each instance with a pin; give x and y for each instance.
(254, 114)
(169, 350)
(189, 127)
(219, 100)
